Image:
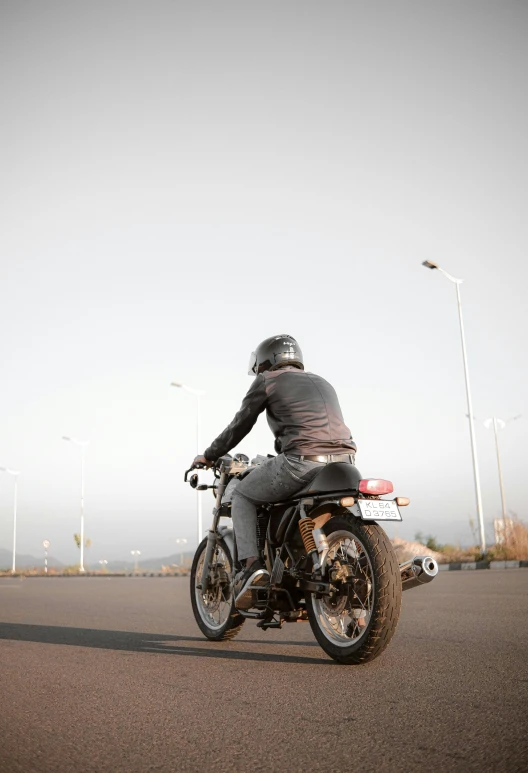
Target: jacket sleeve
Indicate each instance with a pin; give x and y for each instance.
(252, 406)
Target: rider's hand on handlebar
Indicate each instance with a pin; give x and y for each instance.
(201, 461)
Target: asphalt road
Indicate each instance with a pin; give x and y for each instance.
(108, 675)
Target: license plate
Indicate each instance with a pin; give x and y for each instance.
(379, 510)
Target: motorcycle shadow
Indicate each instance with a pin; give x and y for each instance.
(167, 644)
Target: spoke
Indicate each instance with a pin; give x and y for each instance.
(215, 607)
(358, 599)
(340, 622)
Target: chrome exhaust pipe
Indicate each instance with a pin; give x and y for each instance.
(418, 571)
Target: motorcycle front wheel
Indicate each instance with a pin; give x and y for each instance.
(214, 609)
(357, 624)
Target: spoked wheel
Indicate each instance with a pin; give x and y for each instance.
(356, 624)
(214, 609)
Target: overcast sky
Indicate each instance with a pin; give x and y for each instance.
(181, 180)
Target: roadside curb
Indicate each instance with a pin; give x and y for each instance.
(92, 574)
(470, 565)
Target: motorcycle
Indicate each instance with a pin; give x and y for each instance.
(330, 561)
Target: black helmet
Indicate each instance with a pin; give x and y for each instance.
(274, 353)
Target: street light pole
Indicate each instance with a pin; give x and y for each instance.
(198, 394)
(495, 422)
(135, 553)
(82, 508)
(198, 451)
(476, 476)
(15, 474)
(181, 541)
(82, 444)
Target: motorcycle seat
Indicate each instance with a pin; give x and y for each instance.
(336, 476)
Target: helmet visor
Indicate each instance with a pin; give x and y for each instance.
(252, 367)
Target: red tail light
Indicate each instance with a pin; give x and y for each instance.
(376, 487)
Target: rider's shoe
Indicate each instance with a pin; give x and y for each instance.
(246, 583)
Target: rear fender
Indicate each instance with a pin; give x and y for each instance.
(322, 513)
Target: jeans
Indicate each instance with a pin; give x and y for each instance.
(276, 480)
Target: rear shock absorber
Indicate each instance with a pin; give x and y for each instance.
(306, 527)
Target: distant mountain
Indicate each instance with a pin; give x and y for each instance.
(146, 565)
(26, 562)
(150, 564)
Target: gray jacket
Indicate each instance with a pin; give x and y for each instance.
(303, 413)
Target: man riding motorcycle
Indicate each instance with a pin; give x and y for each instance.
(303, 413)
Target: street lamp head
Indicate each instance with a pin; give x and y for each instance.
(187, 388)
(500, 422)
(9, 472)
(431, 265)
(75, 440)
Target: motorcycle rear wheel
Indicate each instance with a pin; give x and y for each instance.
(214, 611)
(374, 596)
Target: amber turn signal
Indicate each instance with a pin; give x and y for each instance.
(402, 501)
(347, 501)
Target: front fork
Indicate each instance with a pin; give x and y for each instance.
(212, 535)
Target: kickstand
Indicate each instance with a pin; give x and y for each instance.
(273, 623)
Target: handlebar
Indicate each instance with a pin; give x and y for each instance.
(191, 468)
(235, 464)
(187, 473)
